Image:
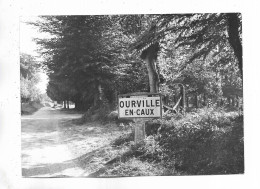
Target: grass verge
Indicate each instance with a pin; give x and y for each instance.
(203, 142)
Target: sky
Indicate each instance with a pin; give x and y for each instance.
(28, 46)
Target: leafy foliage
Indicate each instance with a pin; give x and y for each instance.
(87, 54)
(207, 141)
(29, 77)
(203, 34)
(204, 142)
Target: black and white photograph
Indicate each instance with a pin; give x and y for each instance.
(121, 94)
(131, 95)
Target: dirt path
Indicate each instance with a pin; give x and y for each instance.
(54, 145)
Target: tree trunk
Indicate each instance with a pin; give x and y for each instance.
(64, 103)
(221, 102)
(237, 101)
(182, 103)
(152, 74)
(199, 101)
(229, 101)
(95, 100)
(174, 99)
(196, 100)
(149, 56)
(100, 92)
(76, 105)
(204, 100)
(116, 98)
(233, 102)
(68, 105)
(165, 100)
(234, 38)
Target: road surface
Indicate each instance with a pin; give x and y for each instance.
(55, 145)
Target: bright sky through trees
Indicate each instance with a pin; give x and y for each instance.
(28, 46)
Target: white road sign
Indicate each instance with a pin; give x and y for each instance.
(139, 107)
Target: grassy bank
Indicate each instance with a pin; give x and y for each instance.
(30, 107)
(203, 142)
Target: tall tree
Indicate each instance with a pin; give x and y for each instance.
(75, 55)
(87, 56)
(203, 33)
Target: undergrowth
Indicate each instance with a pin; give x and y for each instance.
(206, 141)
(97, 113)
(30, 107)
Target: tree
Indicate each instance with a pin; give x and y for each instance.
(29, 77)
(193, 49)
(205, 79)
(203, 33)
(74, 56)
(87, 57)
(28, 66)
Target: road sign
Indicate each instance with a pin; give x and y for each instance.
(140, 106)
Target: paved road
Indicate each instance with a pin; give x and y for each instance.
(54, 144)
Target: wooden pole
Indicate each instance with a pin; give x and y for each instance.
(139, 129)
(183, 97)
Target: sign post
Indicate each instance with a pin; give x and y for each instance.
(140, 107)
(139, 130)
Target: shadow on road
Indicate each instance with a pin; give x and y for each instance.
(55, 145)
(47, 169)
(87, 162)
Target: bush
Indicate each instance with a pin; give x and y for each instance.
(207, 141)
(97, 113)
(124, 139)
(30, 107)
(204, 142)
